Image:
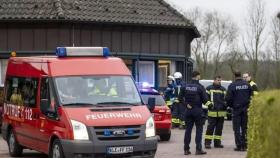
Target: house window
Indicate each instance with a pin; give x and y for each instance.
(3, 67)
(146, 72)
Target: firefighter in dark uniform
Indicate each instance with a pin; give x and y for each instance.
(193, 95)
(247, 77)
(216, 114)
(238, 98)
(177, 119)
(169, 92)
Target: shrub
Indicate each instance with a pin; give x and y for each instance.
(264, 126)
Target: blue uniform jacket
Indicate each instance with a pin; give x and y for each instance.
(239, 95)
(193, 94)
(169, 92)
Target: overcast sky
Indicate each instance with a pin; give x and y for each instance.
(235, 8)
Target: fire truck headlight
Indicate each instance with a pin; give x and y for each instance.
(150, 128)
(79, 130)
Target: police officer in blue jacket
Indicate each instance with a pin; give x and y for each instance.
(193, 95)
(238, 98)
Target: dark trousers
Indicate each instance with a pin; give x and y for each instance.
(240, 120)
(193, 116)
(215, 125)
(182, 110)
(175, 113)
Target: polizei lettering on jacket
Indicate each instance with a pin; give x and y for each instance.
(114, 116)
(194, 89)
(241, 87)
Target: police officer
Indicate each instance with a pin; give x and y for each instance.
(247, 77)
(238, 98)
(169, 91)
(193, 95)
(216, 114)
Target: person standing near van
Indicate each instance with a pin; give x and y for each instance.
(247, 77)
(216, 114)
(169, 91)
(238, 98)
(192, 96)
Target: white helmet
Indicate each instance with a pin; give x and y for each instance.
(170, 78)
(177, 75)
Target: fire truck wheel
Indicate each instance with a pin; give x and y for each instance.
(165, 137)
(15, 149)
(56, 151)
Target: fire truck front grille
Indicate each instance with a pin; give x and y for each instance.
(111, 133)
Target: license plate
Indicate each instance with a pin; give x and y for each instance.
(120, 150)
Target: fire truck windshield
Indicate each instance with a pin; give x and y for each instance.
(96, 90)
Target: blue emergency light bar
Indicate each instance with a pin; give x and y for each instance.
(82, 51)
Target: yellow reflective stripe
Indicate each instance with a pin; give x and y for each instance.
(182, 123)
(212, 113)
(209, 137)
(174, 120)
(168, 103)
(255, 92)
(208, 92)
(207, 103)
(216, 91)
(252, 83)
(176, 100)
(222, 113)
(218, 137)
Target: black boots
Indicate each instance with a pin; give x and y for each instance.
(207, 146)
(240, 148)
(200, 152)
(187, 152)
(218, 146)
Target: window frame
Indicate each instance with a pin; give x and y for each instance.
(9, 89)
(52, 114)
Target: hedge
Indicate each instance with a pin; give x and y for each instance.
(264, 126)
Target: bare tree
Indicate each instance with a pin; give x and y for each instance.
(275, 45)
(233, 58)
(201, 47)
(254, 39)
(276, 38)
(195, 15)
(225, 34)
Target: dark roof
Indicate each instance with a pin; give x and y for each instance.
(150, 12)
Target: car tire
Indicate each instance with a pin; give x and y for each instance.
(165, 137)
(15, 149)
(56, 150)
